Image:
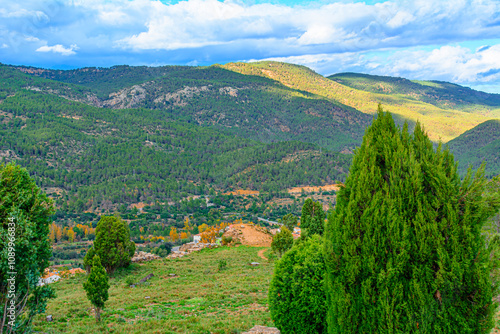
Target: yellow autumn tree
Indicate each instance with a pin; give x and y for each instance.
(209, 235)
(173, 234)
(184, 235)
(202, 228)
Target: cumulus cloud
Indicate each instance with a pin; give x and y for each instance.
(58, 48)
(326, 34)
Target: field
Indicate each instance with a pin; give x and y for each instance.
(199, 299)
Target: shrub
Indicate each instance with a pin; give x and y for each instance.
(282, 241)
(222, 265)
(297, 299)
(404, 249)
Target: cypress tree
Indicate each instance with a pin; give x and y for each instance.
(312, 218)
(97, 286)
(403, 248)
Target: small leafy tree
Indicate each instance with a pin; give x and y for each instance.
(97, 286)
(404, 249)
(25, 249)
(112, 244)
(312, 218)
(297, 299)
(282, 241)
(290, 221)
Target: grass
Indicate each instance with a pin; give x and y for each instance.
(199, 299)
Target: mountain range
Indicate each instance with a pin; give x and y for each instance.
(105, 136)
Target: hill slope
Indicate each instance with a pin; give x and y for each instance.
(249, 106)
(480, 144)
(441, 124)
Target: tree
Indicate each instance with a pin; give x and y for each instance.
(290, 221)
(297, 299)
(282, 241)
(173, 234)
(25, 248)
(97, 286)
(404, 249)
(112, 243)
(312, 218)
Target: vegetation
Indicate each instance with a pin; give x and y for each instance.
(289, 221)
(479, 144)
(282, 241)
(199, 299)
(404, 249)
(97, 286)
(25, 213)
(297, 298)
(313, 217)
(112, 244)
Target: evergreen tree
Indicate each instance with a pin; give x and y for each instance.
(290, 221)
(282, 241)
(404, 249)
(97, 286)
(112, 244)
(297, 299)
(312, 219)
(25, 250)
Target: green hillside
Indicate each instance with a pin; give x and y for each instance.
(480, 144)
(97, 157)
(441, 123)
(248, 106)
(440, 94)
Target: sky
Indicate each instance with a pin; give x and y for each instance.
(456, 40)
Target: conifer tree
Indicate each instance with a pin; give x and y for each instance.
(403, 248)
(112, 244)
(282, 241)
(312, 218)
(97, 286)
(297, 298)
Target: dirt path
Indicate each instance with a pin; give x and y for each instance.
(261, 254)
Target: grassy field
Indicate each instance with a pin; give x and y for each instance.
(199, 299)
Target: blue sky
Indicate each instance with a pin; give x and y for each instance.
(455, 40)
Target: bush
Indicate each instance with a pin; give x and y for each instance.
(222, 265)
(282, 241)
(112, 244)
(297, 299)
(404, 247)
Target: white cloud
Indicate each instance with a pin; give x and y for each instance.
(4, 46)
(58, 48)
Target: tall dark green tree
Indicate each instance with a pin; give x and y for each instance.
(25, 215)
(112, 244)
(404, 249)
(97, 286)
(312, 218)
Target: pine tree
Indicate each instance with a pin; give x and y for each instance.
(97, 286)
(404, 250)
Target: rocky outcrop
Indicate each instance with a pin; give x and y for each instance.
(144, 257)
(262, 330)
(189, 248)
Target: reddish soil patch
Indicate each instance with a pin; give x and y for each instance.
(261, 254)
(307, 189)
(243, 192)
(250, 235)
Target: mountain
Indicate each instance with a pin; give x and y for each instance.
(249, 106)
(478, 145)
(89, 157)
(441, 123)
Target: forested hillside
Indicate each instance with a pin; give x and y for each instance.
(249, 106)
(441, 123)
(480, 144)
(103, 157)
